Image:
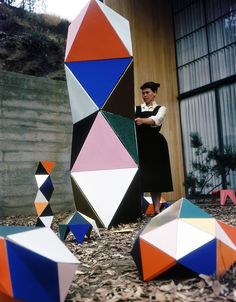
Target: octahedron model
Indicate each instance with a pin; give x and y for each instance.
(184, 236)
(80, 225)
(45, 189)
(99, 73)
(147, 205)
(35, 265)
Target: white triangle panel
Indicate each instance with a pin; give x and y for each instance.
(222, 236)
(190, 238)
(120, 25)
(105, 189)
(40, 179)
(171, 213)
(45, 242)
(66, 273)
(40, 197)
(46, 220)
(80, 102)
(163, 237)
(92, 222)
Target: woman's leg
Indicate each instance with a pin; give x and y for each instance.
(156, 198)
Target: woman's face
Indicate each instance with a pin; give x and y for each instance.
(148, 95)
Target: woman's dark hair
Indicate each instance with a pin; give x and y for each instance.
(152, 85)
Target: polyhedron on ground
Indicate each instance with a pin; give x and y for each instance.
(35, 265)
(80, 226)
(184, 236)
(148, 208)
(100, 81)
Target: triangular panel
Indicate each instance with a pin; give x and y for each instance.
(120, 25)
(48, 165)
(5, 278)
(229, 230)
(160, 237)
(82, 203)
(150, 267)
(226, 257)
(125, 130)
(186, 234)
(204, 224)
(202, 260)
(73, 29)
(96, 38)
(105, 199)
(102, 150)
(105, 74)
(80, 102)
(121, 100)
(80, 132)
(189, 210)
(65, 276)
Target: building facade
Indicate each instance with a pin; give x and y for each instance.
(189, 46)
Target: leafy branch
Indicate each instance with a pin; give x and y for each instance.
(209, 164)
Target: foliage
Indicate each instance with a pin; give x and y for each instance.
(208, 165)
(32, 43)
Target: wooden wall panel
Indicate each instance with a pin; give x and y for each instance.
(154, 59)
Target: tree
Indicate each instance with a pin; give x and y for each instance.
(208, 165)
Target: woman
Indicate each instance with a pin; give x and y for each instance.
(152, 146)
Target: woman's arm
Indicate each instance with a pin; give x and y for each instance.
(158, 119)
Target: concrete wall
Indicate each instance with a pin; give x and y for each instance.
(35, 124)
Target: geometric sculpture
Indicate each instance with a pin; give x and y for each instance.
(45, 189)
(223, 194)
(187, 237)
(147, 205)
(35, 265)
(99, 73)
(80, 225)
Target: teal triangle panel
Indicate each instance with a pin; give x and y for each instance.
(125, 130)
(189, 210)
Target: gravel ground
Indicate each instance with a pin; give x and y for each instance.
(107, 272)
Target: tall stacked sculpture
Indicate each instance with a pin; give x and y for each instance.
(99, 72)
(45, 190)
(184, 236)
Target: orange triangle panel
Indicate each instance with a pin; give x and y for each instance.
(5, 279)
(229, 230)
(154, 261)
(48, 165)
(96, 39)
(226, 257)
(40, 207)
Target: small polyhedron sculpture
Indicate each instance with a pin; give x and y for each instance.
(80, 225)
(35, 265)
(184, 236)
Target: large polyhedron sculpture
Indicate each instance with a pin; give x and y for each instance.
(99, 72)
(184, 236)
(35, 265)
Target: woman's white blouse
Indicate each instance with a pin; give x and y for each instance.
(159, 117)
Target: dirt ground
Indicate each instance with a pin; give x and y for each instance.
(107, 271)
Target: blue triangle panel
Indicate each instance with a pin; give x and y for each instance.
(47, 188)
(202, 260)
(80, 231)
(34, 277)
(99, 77)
